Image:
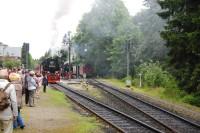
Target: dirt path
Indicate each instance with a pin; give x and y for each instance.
(54, 114)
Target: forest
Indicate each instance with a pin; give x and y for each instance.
(162, 43)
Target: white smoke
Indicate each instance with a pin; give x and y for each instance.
(63, 10)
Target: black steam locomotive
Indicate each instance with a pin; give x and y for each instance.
(51, 68)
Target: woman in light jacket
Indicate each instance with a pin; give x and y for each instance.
(8, 115)
(16, 81)
(32, 85)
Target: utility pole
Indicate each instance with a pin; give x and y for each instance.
(128, 81)
(65, 40)
(69, 42)
(128, 59)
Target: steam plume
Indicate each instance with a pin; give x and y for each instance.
(63, 9)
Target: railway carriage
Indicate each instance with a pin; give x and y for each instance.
(75, 71)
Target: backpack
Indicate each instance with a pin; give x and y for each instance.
(4, 98)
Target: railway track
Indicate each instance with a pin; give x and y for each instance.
(121, 121)
(165, 118)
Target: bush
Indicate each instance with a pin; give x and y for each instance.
(154, 76)
(136, 82)
(11, 63)
(193, 99)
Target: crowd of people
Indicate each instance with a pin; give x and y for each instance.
(13, 85)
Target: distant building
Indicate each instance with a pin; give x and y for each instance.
(7, 52)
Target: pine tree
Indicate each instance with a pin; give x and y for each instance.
(182, 34)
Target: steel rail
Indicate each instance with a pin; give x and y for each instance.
(93, 112)
(170, 114)
(161, 125)
(106, 113)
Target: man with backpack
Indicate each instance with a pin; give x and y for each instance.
(7, 100)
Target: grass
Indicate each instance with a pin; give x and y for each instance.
(80, 124)
(85, 125)
(56, 98)
(76, 123)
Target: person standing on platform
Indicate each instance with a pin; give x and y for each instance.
(38, 79)
(32, 85)
(7, 115)
(16, 81)
(44, 83)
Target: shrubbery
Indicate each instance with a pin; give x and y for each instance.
(193, 99)
(11, 63)
(154, 76)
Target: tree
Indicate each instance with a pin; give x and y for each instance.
(12, 63)
(182, 34)
(25, 54)
(104, 32)
(128, 35)
(150, 24)
(31, 62)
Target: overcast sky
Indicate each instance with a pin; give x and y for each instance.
(42, 23)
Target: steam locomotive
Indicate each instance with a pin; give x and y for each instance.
(51, 68)
(54, 71)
